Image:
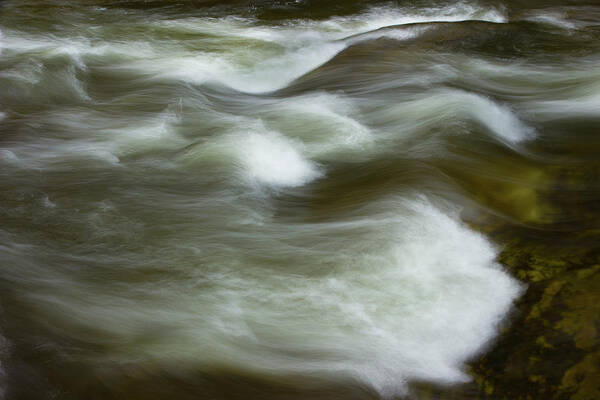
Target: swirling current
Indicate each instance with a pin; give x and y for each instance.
(299, 199)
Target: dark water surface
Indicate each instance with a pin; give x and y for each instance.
(299, 199)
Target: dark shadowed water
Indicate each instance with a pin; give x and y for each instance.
(299, 199)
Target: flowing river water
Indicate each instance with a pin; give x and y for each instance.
(299, 199)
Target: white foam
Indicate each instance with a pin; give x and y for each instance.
(46, 202)
(261, 76)
(254, 155)
(93, 135)
(276, 73)
(326, 123)
(551, 17)
(450, 104)
(499, 118)
(26, 72)
(396, 34)
(311, 44)
(8, 156)
(278, 55)
(544, 91)
(584, 106)
(304, 45)
(379, 17)
(394, 291)
(416, 302)
(194, 68)
(402, 291)
(271, 159)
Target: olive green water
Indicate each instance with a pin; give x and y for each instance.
(299, 200)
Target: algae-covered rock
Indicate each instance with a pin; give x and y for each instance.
(581, 381)
(550, 348)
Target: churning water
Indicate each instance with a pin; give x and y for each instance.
(268, 191)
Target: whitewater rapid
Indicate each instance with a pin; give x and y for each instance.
(217, 193)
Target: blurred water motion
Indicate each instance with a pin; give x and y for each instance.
(305, 200)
